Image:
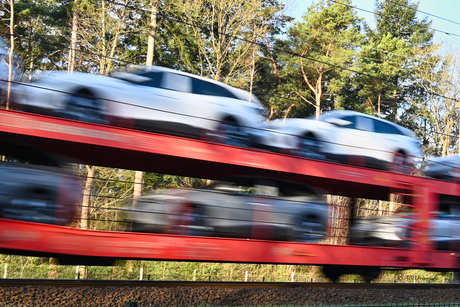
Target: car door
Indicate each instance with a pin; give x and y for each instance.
(264, 209)
(229, 208)
(353, 139)
(164, 103)
(453, 223)
(390, 139)
(211, 103)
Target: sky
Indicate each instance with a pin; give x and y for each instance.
(447, 9)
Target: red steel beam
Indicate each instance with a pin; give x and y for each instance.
(130, 149)
(50, 240)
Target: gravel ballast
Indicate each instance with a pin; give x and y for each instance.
(188, 296)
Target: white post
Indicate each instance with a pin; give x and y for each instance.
(5, 272)
(292, 277)
(76, 272)
(142, 273)
(194, 275)
(246, 276)
(443, 280)
(414, 279)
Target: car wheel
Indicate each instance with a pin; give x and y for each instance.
(401, 163)
(332, 272)
(83, 106)
(230, 133)
(370, 274)
(310, 147)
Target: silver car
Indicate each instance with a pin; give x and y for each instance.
(347, 137)
(150, 98)
(259, 209)
(395, 231)
(36, 186)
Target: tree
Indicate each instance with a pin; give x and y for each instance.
(152, 33)
(102, 26)
(73, 38)
(379, 61)
(319, 50)
(10, 54)
(216, 29)
(397, 20)
(438, 79)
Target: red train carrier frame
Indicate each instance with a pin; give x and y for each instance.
(130, 149)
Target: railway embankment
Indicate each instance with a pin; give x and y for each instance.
(225, 294)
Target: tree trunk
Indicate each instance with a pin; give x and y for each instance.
(103, 62)
(394, 201)
(153, 29)
(10, 56)
(318, 94)
(138, 182)
(86, 203)
(318, 106)
(395, 106)
(73, 38)
(85, 211)
(252, 71)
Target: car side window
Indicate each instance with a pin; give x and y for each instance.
(365, 123)
(352, 120)
(382, 127)
(201, 87)
(154, 79)
(176, 82)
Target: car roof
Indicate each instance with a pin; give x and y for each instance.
(452, 159)
(252, 181)
(241, 94)
(340, 113)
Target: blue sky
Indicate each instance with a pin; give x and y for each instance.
(447, 9)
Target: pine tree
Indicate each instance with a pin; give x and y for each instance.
(321, 48)
(397, 22)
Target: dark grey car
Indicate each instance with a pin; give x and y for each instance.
(260, 210)
(36, 186)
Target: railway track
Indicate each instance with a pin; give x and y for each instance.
(213, 284)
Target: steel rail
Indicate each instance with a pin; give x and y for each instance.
(97, 283)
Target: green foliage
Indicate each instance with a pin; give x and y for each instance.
(40, 31)
(34, 267)
(398, 36)
(324, 40)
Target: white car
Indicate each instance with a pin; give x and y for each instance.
(347, 137)
(150, 98)
(445, 168)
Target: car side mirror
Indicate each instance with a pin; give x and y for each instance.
(338, 122)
